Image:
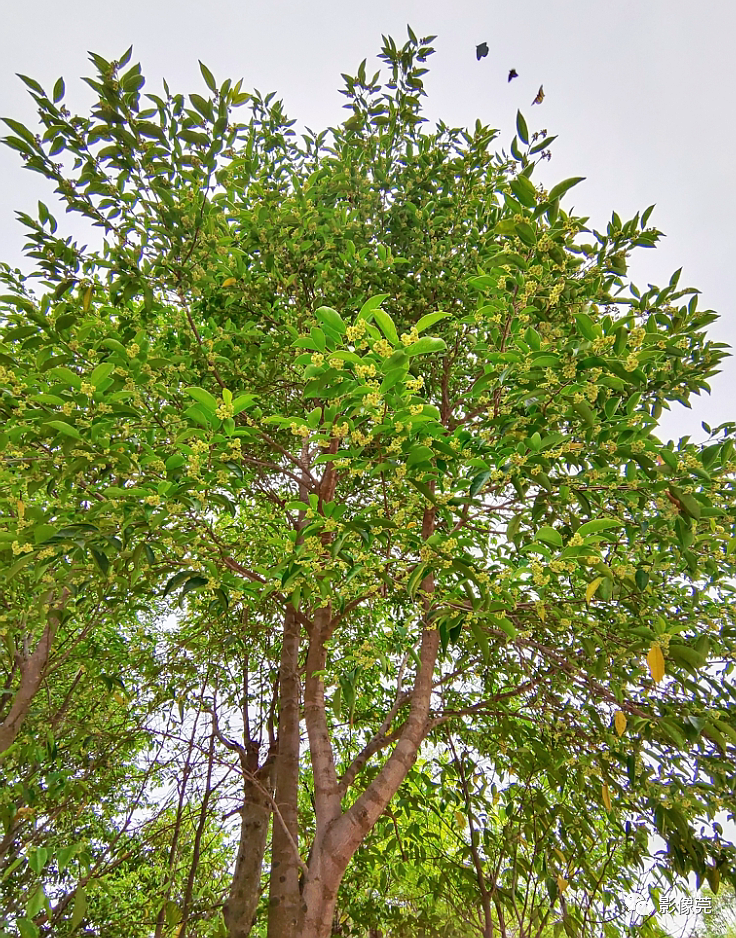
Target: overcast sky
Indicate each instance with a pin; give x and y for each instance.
(639, 92)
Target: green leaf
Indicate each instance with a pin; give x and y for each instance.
(42, 532)
(478, 482)
(387, 326)
(331, 318)
(176, 580)
(207, 400)
(419, 454)
(561, 188)
(598, 524)
(37, 860)
(26, 927)
(524, 190)
(194, 583)
(67, 375)
(65, 428)
(208, 77)
(101, 373)
(549, 536)
(527, 234)
(505, 624)
(425, 345)
(242, 401)
(371, 304)
(430, 320)
(587, 328)
(691, 505)
(521, 128)
(58, 90)
(80, 907)
(36, 902)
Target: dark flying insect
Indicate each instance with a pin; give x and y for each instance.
(481, 51)
(513, 73)
(540, 96)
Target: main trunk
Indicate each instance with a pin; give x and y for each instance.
(283, 894)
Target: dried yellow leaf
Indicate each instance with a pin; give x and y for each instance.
(562, 884)
(592, 587)
(606, 797)
(655, 662)
(619, 721)
(229, 282)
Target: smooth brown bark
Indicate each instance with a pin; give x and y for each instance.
(283, 895)
(32, 667)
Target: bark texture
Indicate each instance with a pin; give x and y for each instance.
(339, 834)
(32, 667)
(240, 909)
(283, 895)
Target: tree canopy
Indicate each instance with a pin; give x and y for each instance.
(347, 587)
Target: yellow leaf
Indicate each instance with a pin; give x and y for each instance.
(655, 662)
(460, 818)
(21, 509)
(592, 587)
(541, 611)
(619, 721)
(562, 883)
(87, 299)
(229, 282)
(606, 797)
(561, 856)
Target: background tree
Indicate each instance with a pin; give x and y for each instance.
(372, 412)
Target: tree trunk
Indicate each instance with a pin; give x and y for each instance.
(240, 909)
(32, 670)
(339, 834)
(284, 899)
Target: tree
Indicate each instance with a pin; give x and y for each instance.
(368, 408)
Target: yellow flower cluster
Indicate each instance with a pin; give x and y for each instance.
(408, 338)
(318, 359)
(636, 337)
(297, 430)
(602, 343)
(383, 348)
(357, 331)
(365, 371)
(340, 431)
(415, 384)
(362, 439)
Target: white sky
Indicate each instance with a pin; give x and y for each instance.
(640, 93)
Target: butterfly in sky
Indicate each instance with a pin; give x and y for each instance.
(481, 51)
(540, 96)
(513, 73)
